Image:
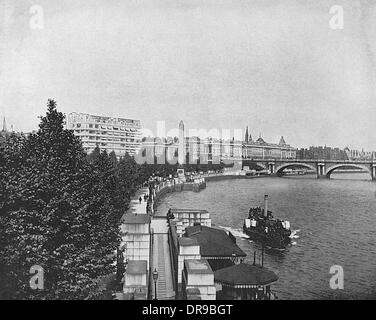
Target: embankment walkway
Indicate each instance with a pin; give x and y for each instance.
(135, 207)
(161, 258)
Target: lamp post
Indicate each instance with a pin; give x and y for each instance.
(155, 277)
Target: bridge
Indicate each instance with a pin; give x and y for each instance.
(322, 168)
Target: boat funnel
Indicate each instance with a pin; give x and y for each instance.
(266, 205)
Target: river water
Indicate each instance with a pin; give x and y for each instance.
(335, 223)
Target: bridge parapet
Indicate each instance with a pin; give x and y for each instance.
(323, 168)
(279, 161)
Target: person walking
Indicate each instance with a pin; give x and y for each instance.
(140, 200)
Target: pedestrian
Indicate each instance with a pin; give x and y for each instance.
(140, 199)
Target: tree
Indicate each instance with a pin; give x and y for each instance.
(93, 156)
(113, 158)
(11, 157)
(127, 173)
(56, 212)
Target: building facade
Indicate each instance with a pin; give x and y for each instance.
(215, 150)
(323, 153)
(194, 149)
(159, 150)
(111, 134)
(260, 149)
(359, 155)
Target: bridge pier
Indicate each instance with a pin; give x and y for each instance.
(373, 172)
(321, 174)
(271, 168)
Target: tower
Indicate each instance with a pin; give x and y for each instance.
(181, 149)
(4, 125)
(282, 141)
(246, 135)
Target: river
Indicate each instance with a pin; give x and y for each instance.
(335, 221)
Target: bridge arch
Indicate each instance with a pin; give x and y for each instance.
(331, 169)
(280, 168)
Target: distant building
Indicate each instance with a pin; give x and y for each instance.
(219, 150)
(160, 149)
(4, 126)
(359, 155)
(322, 153)
(191, 150)
(212, 150)
(260, 149)
(111, 134)
(5, 133)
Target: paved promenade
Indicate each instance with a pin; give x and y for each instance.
(135, 206)
(161, 252)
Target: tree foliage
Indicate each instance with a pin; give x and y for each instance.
(61, 208)
(58, 211)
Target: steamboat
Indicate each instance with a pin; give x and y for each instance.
(263, 227)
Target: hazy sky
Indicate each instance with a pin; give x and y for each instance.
(275, 66)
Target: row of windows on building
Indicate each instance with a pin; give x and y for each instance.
(223, 149)
(111, 134)
(101, 127)
(324, 153)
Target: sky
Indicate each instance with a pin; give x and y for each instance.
(275, 66)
